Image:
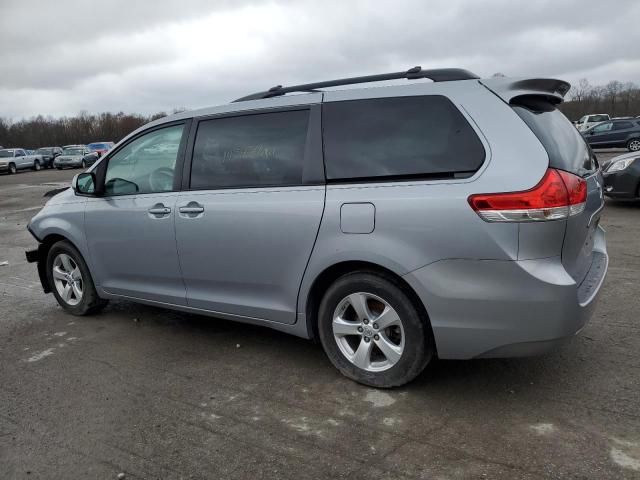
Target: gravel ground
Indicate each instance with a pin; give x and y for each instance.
(157, 394)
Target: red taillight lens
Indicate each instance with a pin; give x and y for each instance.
(558, 195)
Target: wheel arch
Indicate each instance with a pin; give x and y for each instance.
(331, 273)
(43, 251)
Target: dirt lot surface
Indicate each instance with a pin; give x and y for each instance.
(156, 394)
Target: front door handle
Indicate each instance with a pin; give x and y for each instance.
(159, 210)
(192, 208)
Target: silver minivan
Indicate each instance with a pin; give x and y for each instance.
(456, 218)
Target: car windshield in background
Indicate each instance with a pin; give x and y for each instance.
(45, 151)
(98, 146)
(72, 151)
(598, 118)
(6, 153)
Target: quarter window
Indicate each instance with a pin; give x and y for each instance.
(398, 137)
(145, 165)
(265, 149)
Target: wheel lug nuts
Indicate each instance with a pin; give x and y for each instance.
(360, 329)
(367, 339)
(365, 321)
(376, 337)
(375, 325)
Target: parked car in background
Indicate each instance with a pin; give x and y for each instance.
(613, 134)
(48, 155)
(622, 176)
(412, 230)
(100, 147)
(590, 120)
(75, 156)
(14, 159)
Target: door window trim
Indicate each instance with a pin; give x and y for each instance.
(313, 164)
(101, 169)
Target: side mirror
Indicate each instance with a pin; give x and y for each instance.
(84, 184)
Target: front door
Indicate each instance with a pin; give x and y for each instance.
(246, 228)
(130, 229)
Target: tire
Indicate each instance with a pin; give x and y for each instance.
(88, 301)
(59, 168)
(410, 336)
(633, 145)
(36, 165)
(12, 168)
(83, 165)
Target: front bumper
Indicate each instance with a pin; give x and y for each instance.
(623, 184)
(494, 308)
(4, 168)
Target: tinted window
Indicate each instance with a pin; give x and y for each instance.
(565, 146)
(145, 165)
(622, 125)
(265, 149)
(396, 137)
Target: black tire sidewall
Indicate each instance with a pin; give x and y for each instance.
(418, 349)
(12, 168)
(89, 294)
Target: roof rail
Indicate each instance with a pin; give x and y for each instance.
(436, 74)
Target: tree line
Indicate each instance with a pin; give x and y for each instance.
(84, 128)
(615, 98)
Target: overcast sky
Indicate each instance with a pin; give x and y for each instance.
(58, 57)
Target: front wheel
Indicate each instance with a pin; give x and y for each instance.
(70, 280)
(634, 145)
(59, 168)
(36, 165)
(372, 332)
(12, 168)
(83, 164)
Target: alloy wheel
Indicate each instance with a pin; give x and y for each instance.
(634, 145)
(368, 332)
(68, 279)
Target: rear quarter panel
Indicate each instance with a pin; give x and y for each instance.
(421, 222)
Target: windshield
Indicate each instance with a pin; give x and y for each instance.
(598, 118)
(44, 150)
(6, 153)
(72, 151)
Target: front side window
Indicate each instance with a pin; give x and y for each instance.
(145, 165)
(598, 118)
(604, 127)
(398, 137)
(265, 149)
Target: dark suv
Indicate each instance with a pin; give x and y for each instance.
(48, 155)
(615, 133)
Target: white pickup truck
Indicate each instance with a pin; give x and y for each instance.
(14, 159)
(591, 120)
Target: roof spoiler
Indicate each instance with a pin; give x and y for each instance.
(508, 88)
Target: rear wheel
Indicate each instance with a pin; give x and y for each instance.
(70, 280)
(36, 165)
(372, 331)
(633, 145)
(12, 168)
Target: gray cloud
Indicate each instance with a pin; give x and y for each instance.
(62, 57)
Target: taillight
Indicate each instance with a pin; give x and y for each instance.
(558, 195)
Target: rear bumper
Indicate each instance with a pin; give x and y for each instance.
(492, 308)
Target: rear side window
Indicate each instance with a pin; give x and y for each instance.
(398, 137)
(598, 118)
(264, 149)
(565, 146)
(622, 125)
